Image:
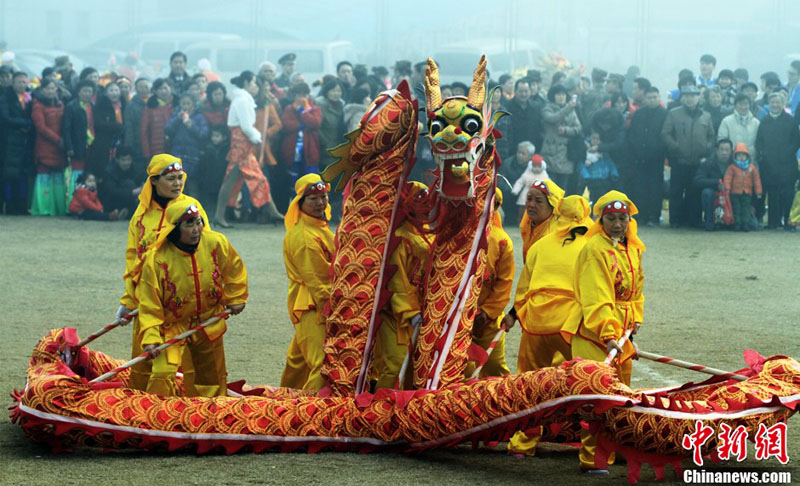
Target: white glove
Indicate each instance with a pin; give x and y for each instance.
(416, 320)
(121, 312)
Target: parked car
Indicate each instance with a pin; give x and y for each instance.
(457, 61)
(314, 59)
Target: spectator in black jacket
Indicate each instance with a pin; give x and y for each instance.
(132, 119)
(526, 117)
(609, 123)
(121, 183)
(16, 129)
(108, 127)
(646, 154)
(708, 179)
(777, 141)
(75, 129)
(178, 79)
(213, 164)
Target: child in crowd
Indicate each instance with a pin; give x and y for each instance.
(86, 205)
(535, 171)
(213, 165)
(741, 181)
(598, 172)
(187, 130)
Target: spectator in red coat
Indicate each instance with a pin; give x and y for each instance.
(49, 189)
(154, 119)
(216, 105)
(301, 120)
(86, 205)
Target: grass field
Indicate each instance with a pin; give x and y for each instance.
(709, 296)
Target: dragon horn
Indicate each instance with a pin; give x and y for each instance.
(477, 92)
(433, 94)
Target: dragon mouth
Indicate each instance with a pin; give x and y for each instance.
(455, 175)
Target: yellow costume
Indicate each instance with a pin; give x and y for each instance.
(307, 253)
(180, 289)
(531, 235)
(495, 293)
(544, 299)
(145, 224)
(394, 335)
(608, 287)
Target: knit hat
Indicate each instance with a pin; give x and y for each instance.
(537, 160)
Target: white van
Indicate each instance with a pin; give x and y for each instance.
(457, 61)
(228, 59)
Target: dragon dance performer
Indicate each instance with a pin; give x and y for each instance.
(545, 299)
(190, 275)
(541, 212)
(608, 287)
(162, 189)
(307, 252)
(495, 293)
(404, 310)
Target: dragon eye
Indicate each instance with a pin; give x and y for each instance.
(471, 124)
(437, 125)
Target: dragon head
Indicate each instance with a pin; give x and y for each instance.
(460, 133)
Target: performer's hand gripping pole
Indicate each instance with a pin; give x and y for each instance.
(145, 356)
(613, 353)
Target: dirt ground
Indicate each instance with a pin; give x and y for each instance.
(708, 297)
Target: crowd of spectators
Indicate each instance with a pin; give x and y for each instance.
(65, 134)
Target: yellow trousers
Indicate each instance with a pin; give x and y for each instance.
(586, 349)
(389, 354)
(496, 364)
(537, 352)
(140, 372)
(305, 354)
(208, 358)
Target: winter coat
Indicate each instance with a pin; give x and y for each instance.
(331, 130)
(554, 145)
(308, 120)
(739, 130)
(645, 145)
(132, 121)
(717, 115)
(74, 127)
(152, 136)
(609, 123)
(216, 116)
(777, 141)
(16, 128)
(242, 114)
(179, 87)
(688, 135)
(523, 183)
(47, 150)
(710, 173)
(602, 168)
(267, 117)
(117, 186)
(738, 181)
(83, 199)
(526, 124)
(187, 143)
(213, 164)
(107, 134)
(353, 112)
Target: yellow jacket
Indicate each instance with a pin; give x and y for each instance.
(498, 281)
(308, 252)
(608, 288)
(532, 235)
(544, 297)
(411, 261)
(179, 289)
(143, 229)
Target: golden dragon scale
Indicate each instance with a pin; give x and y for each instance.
(62, 409)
